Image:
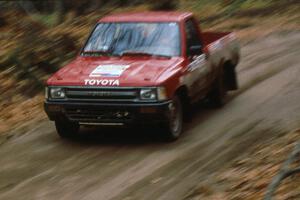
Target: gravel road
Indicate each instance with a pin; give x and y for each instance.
(105, 164)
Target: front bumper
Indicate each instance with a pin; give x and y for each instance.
(91, 112)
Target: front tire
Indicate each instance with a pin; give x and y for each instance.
(173, 125)
(66, 129)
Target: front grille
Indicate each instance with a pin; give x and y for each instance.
(98, 115)
(102, 94)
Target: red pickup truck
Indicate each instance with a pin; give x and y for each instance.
(142, 68)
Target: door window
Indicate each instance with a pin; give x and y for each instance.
(192, 39)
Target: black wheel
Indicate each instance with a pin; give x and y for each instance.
(218, 94)
(66, 129)
(173, 126)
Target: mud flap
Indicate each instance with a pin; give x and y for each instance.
(230, 78)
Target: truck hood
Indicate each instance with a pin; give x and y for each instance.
(114, 71)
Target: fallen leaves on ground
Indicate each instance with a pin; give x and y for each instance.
(249, 176)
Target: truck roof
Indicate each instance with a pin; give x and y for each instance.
(149, 16)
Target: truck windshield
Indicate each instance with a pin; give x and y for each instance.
(161, 39)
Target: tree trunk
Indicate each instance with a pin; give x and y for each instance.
(59, 9)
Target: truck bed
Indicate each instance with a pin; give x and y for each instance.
(210, 37)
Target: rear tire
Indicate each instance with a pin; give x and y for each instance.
(66, 129)
(173, 126)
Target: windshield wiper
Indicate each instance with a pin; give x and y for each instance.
(95, 53)
(138, 53)
(142, 53)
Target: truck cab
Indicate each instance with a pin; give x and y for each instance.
(142, 68)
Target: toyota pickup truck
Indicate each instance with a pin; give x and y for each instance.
(142, 68)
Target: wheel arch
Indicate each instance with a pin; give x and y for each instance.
(183, 93)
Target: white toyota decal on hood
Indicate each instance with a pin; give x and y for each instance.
(102, 82)
(108, 70)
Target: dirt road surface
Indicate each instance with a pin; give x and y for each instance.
(113, 164)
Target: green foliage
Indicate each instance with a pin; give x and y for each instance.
(46, 19)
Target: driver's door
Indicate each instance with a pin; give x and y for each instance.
(198, 69)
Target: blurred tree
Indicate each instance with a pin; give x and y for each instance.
(2, 20)
(164, 4)
(59, 8)
(227, 2)
(232, 6)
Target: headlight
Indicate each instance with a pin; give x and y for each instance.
(158, 93)
(148, 94)
(57, 93)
